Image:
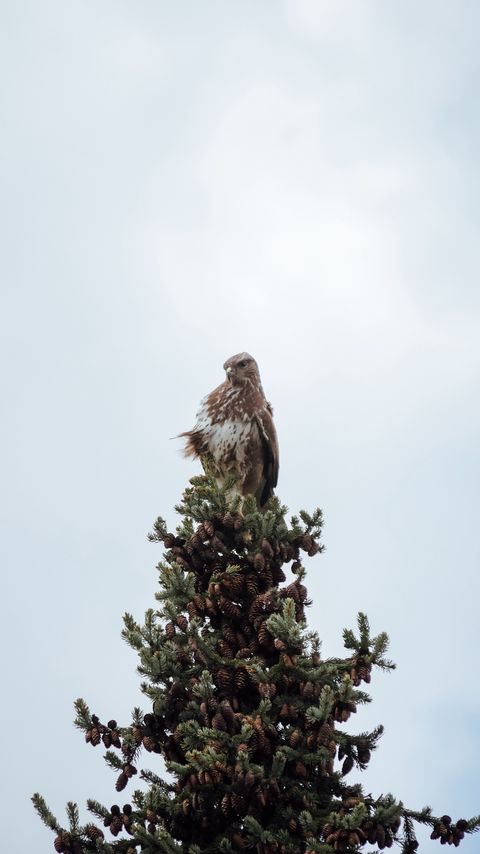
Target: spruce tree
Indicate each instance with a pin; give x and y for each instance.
(245, 712)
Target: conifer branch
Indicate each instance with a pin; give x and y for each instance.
(73, 817)
(97, 809)
(83, 718)
(45, 814)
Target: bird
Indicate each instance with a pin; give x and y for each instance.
(235, 432)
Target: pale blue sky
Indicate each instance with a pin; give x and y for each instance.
(181, 181)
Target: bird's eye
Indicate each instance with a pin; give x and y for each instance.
(242, 364)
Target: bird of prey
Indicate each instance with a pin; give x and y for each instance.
(235, 431)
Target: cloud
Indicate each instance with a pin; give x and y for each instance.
(331, 20)
(296, 180)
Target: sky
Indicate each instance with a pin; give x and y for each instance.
(183, 181)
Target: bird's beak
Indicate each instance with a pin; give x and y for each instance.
(229, 372)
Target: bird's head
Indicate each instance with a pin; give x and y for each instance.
(241, 368)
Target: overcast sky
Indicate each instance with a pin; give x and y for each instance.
(184, 180)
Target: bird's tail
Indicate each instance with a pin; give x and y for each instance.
(195, 445)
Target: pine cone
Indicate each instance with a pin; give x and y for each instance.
(342, 711)
(218, 722)
(182, 622)
(245, 652)
(325, 734)
(201, 533)
(259, 562)
(116, 825)
(115, 738)
(364, 755)
(262, 603)
(122, 781)
(182, 656)
(364, 672)
(127, 824)
(260, 798)
(93, 832)
(240, 679)
(209, 529)
(295, 737)
(263, 635)
(229, 609)
(192, 610)
(395, 827)
(129, 770)
(228, 713)
(264, 690)
(170, 631)
(267, 549)
(210, 607)
(381, 836)
(267, 578)
(95, 736)
(230, 635)
(223, 677)
(194, 544)
(148, 743)
(335, 840)
(305, 542)
(291, 592)
(236, 584)
(199, 603)
(224, 649)
(251, 583)
(302, 592)
(226, 804)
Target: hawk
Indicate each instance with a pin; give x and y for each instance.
(235, 431)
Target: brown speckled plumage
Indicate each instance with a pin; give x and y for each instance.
(235, 431)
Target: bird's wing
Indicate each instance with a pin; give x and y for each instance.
(269, 439)
(197, 439)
